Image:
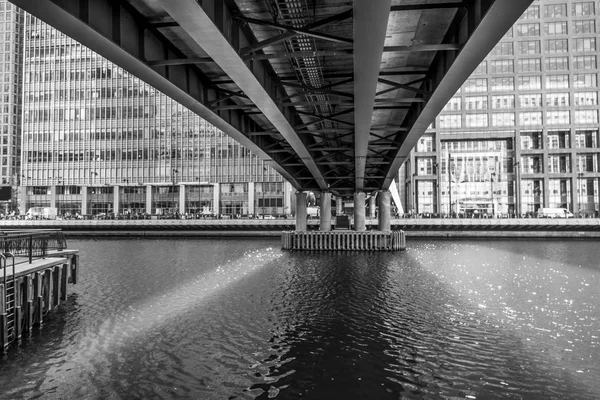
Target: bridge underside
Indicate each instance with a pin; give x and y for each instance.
(333, 94)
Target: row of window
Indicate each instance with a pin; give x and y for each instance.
(530, 82)
(72, 94)
(531, 100)
(550, 46)
(578, 9)
(481, 120)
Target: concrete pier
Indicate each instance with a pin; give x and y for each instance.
(35, 272)
(343, 240)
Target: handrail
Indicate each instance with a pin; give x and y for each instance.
(31, 244)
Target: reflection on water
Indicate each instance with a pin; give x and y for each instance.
(234, 319)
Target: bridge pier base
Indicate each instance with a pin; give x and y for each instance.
(343, 240)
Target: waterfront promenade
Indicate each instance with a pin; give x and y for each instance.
(414, 227)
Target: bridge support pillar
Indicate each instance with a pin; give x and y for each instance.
(359, 211)
(339, 205)
(325, 212)
(372, 202)
(301, 213)
(384, 210)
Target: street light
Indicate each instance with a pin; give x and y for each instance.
(173, 177)
(580, 184)
(492, 175)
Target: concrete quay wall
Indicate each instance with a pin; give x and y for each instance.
(414, 228)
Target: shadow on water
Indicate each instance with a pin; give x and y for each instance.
(380, 326)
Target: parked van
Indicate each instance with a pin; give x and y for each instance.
(557, 212)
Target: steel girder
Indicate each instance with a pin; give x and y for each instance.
(117, 32)
(370, 26)
(483, 24)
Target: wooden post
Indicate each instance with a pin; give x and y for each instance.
(18, 301)
(57, 284)
(49, 296)
(65, 278)
(37, 297)
(27, 304)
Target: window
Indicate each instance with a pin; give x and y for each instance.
(555, 28)
(586, 116)
(532, 165)
(502, 67)
(584, 62)
(530, 47)
(557, 99)
(557, 64)
(532, 12)
(450, 121)
(503, 84)
(586, 138)
(555, 10)
(425, 144)
(529, 83)
(530, 118)
(529, 65)
(500, 102)
(558, 117)
(559, 164)
(503, 49)
(481, 69)
(585, 80)
(585, 44)
(476, 120)
(586, 26)
(529, 29)
(586, 98)
(476, 103)
(453, 104)
(557, 81)
(583, 8)
(530, 100)
(425, 165)
(531, 140)
(503, 119)
(476, 85)
(557, 46)
(559, 139)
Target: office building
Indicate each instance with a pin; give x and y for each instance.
(11, 62)
(522, 132)
(96, 139)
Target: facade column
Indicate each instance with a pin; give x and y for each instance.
(359, 211)
(325, 212)
(251, 196)
(216, 199)
(84, 200)
(182, 209)
(372, 202)
(53, 196)
(116, 200)
(384, 210)
(301, 212)
(148, 199)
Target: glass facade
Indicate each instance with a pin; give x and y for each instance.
(103, 141)
(522, 132)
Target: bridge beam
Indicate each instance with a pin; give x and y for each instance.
(370, 27)
(480, 30)
(194, 19)
(118, 33)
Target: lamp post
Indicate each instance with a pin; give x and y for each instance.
(580, 185)
(173, 178)
(449, 187)
(517, 190)
(492, 175)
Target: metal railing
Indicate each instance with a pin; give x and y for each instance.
(31, 244)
